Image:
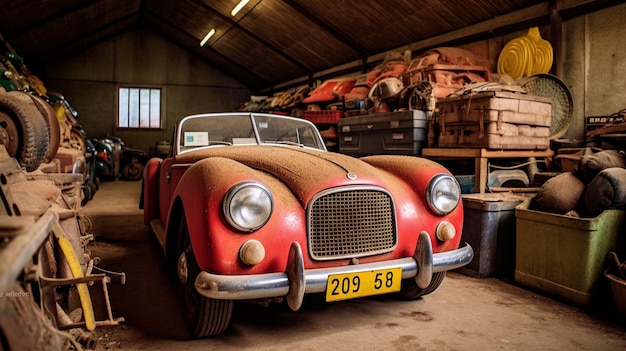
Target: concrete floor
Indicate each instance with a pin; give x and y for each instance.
(465, 313)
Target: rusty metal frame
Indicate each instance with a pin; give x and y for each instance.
(89, 278)
(20, 250)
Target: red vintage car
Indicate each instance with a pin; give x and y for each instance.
(251, 206)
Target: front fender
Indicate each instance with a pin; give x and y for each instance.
(150, 190)
(216, 245)
(418, 172)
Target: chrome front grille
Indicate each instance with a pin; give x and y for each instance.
(352, 222)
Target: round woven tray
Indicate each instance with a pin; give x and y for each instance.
(548, 85)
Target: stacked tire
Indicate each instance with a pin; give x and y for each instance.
(29, 129)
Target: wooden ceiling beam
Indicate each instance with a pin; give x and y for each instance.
(257, 38)
(217, 53)
(335, 32)
(62, 47)
(60, 13)
(556, 39)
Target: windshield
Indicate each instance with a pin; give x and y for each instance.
(202, 131)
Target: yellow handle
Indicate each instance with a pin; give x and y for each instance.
(77, 272)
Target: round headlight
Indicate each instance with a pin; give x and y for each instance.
(443, 194)
(248, 206)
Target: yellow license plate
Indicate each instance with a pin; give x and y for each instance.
(359, 284)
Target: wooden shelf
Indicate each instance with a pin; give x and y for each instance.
(481, 156)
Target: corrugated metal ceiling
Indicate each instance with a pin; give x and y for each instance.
(272, 43)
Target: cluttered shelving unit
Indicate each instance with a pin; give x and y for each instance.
(481, 158)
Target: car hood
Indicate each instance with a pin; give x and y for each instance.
(304, 171)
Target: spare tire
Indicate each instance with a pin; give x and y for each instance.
(53, 126)
(31, 130)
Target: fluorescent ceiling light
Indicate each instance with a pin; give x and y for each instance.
(239, 6)
(207, 36)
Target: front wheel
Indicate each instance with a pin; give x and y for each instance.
(411, 291)
(203, 317)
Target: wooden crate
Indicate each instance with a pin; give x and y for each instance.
(495, 120)
(493, 135)
(496, 106)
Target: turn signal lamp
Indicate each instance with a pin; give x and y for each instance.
(252, 252)
(445, 231)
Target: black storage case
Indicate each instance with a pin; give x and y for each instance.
(390, 133)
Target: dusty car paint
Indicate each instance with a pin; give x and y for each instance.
(190, 187)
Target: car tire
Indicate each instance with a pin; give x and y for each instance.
(204, 317)
(133, 171)
(410, 290)
(53, 126)
(26, 128)
(86, 195)
(93, 188)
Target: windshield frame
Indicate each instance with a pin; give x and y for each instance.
(258, 121)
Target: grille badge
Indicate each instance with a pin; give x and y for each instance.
(351, 176)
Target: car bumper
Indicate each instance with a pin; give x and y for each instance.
(296, 282)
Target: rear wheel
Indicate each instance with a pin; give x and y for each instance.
(133, 171)
(203, 317)
(411, 291)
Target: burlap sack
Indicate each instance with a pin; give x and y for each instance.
(590, 165)
(560, 194)
(606, 190)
